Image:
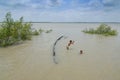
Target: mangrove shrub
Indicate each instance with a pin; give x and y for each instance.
(12, 31)
(103, 29)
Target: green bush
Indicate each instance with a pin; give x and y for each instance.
(35, 32)
(103, 29)
(48, 31)
(13, 31)
(41, 30)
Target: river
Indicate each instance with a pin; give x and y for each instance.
(33, 60)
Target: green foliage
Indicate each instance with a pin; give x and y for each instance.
(48, 31)
(103, 29)
(35, 32)
(13, 31)
(41, 30)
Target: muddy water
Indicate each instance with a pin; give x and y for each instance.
(33, 60)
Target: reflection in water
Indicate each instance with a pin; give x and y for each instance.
(55, 60)
(33, 60)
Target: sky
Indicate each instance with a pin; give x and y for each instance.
(62, 10)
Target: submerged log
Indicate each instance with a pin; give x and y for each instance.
(54, 53)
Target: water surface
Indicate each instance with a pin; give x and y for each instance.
(33, 60)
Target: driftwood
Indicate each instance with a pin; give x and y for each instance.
(54, 53)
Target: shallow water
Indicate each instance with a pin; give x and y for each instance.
(33, 60)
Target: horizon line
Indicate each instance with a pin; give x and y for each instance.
(65, 22)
